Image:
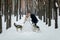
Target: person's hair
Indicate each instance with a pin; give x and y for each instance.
(28, 12)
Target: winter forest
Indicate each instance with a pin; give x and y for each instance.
(14, 11)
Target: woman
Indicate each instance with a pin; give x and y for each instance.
(34, 20)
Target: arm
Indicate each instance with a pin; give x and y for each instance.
(25, 19)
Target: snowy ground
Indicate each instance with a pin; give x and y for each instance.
(46, 33)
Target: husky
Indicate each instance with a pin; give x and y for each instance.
(36, 28)
(18, 26)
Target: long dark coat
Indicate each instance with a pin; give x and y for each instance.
(34, 19)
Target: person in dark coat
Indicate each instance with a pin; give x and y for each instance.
(34, 19)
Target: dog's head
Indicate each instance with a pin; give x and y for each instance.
(14, 24)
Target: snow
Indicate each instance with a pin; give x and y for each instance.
(56, 4)
(45, 33)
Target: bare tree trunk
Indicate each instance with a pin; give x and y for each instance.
(10, 21)
(20, 10)
(0, 5)
(15, 7)
(9, 12)
(46, 14)
(7, 22)
(0, 23)
(17, 11)
(39, 10)
(56, 19)
(49, 16)
(0, 18)
(6, 9)
(59, 6)
(59, 11)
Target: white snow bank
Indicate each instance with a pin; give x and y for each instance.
(46, 33)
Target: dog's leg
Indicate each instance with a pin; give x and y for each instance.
(34, 29)
(38, 29)
(17, 29)
(21, 29)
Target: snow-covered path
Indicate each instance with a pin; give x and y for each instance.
(46, 33)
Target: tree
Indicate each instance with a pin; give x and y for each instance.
(9, 12)
(49, 13)
(20, 10)
(55, 10)
(0, 22)
(0, 18)
(39, 10)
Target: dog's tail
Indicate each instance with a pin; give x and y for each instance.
(15, 24)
